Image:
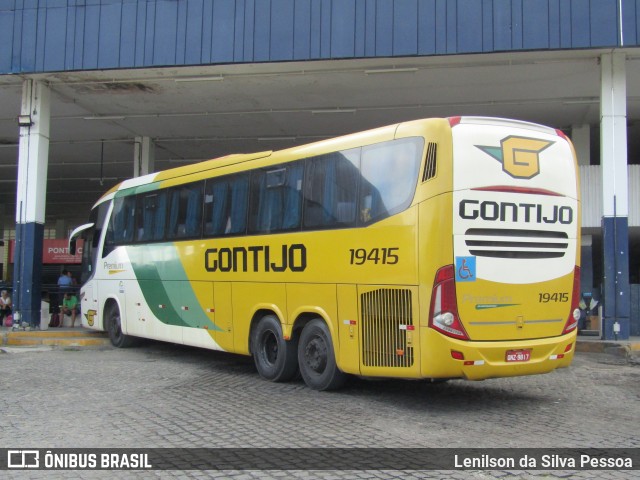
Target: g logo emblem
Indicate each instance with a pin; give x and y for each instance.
(520, 156)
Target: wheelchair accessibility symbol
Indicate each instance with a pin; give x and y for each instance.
(465, 269)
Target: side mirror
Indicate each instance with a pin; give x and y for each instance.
(73, 238)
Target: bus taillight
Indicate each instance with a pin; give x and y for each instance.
(443, 315)
(574, 314)
(453, 121)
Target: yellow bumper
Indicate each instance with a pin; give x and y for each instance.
(481, 360)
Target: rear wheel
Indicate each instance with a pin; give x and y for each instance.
(114, 328)
(274, 357)
(317, 359)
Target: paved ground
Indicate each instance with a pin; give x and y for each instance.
(161, 395)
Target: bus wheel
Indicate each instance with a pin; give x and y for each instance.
(317, 359)
(118, 339)
(274, 357)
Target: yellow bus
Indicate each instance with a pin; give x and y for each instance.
(436, 249)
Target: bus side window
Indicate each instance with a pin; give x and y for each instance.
(185, 211)
(331, 186)
(151, 216)
(215, 207)
(237, 219)
(120, 227)
(389, 177)
(193, 223)
(121, 224)
(276, 198)
(225, 205)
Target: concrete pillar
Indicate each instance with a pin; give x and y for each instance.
(615, 222)
(144, 156)
(581, 138)
(33, 159)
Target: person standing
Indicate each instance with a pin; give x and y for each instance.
(5, 305)
(65, 282)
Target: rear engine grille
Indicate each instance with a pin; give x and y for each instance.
(512, 243)
(386, 318)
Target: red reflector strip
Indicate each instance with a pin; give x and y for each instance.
(407, 327)
(474, 362)
(568, 348)
(162, 306)
(349, 322)
(556, 357)
(184, 308)
(457, 355)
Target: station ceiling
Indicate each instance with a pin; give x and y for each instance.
(198, 113)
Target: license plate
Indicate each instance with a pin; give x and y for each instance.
(518, 355)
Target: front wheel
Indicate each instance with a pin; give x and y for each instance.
(114, 328)
(317, 359)
(274, 357)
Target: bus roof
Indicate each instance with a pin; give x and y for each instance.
(184, 170)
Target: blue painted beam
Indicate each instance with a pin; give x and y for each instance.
(59, 35)
(27, 281)
(616, 306)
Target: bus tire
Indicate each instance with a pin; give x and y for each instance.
(274, 357)
(114, 328)
(316, 357)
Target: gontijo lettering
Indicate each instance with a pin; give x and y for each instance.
(259, 258)
(515, 212)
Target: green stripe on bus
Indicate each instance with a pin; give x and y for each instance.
(165, 287)
(148, 187)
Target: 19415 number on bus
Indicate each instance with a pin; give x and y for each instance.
(385, 256)
(547, 297)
